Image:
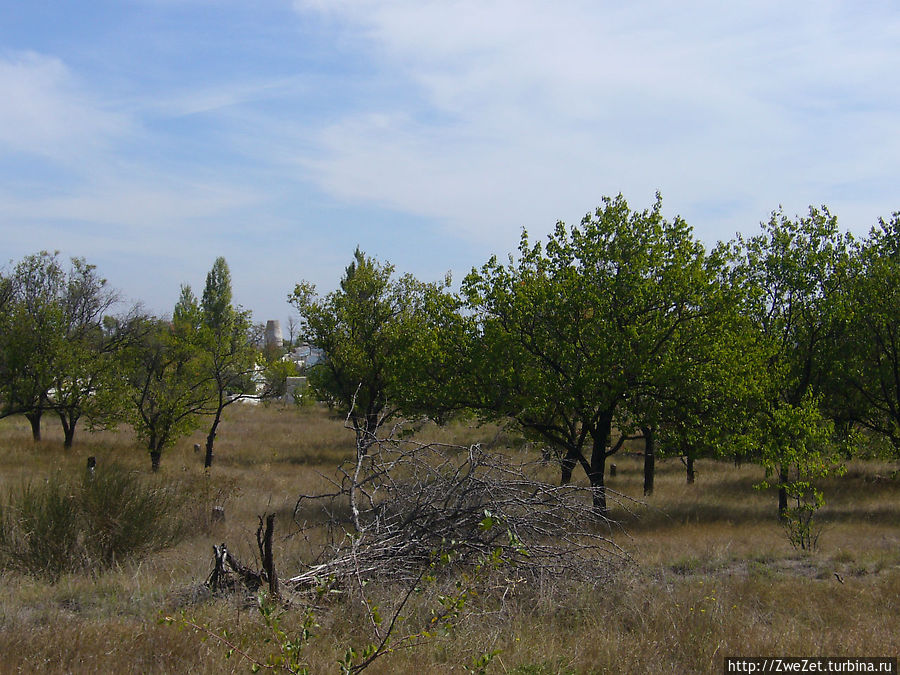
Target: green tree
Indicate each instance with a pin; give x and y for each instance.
(709, 382)
(168, 385)
(84, 373)
(794, 274)
(5, 293)
(275, 374)
(868, 377)
(366, 329)
(574, 335)
(226, 337)
(58, 341)
(436, 371)
(32, 336)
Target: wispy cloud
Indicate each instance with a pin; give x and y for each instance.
(215, 98)
(153, 135)
(44, 111)
(522, 112)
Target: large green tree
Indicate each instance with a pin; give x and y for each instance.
(32, 336)
(577, 334)
(697, 401)
(794, 273)
(868, 374)
(168, 385)
(59, 344)
(367, 330)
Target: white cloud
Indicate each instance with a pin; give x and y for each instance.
(102, 166)
(154, 142)
(518, 113)
(215, 98)
(131, 206)
(44, 112)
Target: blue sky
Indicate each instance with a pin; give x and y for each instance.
(150, 136)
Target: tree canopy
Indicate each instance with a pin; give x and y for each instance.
(366, 329)
(58, 342)
(578, 333)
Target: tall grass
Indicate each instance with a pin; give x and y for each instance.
(60, 525)
(713, 574)
(40, 529)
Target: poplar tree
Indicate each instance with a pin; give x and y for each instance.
(225, 336)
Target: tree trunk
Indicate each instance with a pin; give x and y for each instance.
(68, 436)
(598, 464)
(566, 467)
(782, 494)
(649, 460)
(265, 549)
(689, 463)
(68, 430)
(35, 418)
(155, 456)
(210, 440)
(597, 476)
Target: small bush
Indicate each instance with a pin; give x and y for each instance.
(39, 529)
(125, 515)
(63, 526)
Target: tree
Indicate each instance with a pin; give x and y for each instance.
(225, 336)
(32, 336)
(6, 289)
(168, 386)
(58, 342)
(366, 329)
(576, 334)
(794, 274)
(292, 329)
(699, 402)
(869, 377)
(84, 379)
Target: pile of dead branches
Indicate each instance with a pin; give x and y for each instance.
(403, 505)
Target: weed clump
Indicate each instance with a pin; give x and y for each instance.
(60, 525)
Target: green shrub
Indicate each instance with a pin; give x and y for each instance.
(63, 526)
(125, 515)
(39, 532)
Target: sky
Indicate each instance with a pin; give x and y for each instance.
(151, 136)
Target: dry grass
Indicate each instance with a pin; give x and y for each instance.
(713, 573)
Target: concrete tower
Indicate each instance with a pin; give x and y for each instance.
(274, 337)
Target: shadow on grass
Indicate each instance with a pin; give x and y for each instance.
(879, 515)
(329, 456)
(652, 519)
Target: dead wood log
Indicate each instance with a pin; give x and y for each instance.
(264, 541)
(229, 573)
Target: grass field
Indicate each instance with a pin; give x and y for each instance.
(712, 573)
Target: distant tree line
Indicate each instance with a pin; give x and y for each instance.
(63, 352)
(781, 348)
